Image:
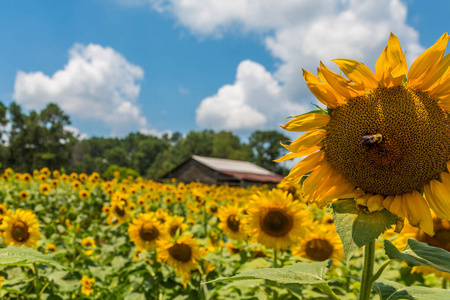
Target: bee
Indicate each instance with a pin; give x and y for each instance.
(370, 140)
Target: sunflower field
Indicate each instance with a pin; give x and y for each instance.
(78, 236)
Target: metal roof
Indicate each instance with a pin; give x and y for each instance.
(239, 169)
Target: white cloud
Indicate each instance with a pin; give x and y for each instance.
(254, 100)
(76, 132)
(298, 34)
(97, 83)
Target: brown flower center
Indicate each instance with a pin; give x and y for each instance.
(19, 231)
(318, 249)
(276, 222)
(181, 252)
(415, 144)
(233, 223)
(148, 232)
(120, 212)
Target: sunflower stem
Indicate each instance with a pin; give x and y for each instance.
(367, 271)
(275, 252)
(444, 283)
(36, 281)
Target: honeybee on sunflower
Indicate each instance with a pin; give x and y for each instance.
(384, 137)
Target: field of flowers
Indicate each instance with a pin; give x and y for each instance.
(131, 238)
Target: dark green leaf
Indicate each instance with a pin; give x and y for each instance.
(357, 228)
(390, 290)
(420, 254)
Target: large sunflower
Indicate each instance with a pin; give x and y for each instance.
(384, 136)
(145, 231)
(20, 228)
(275, 220)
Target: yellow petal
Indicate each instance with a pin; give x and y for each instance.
(390, 68)
(418, 212)
(307, 141)
(438, 76)
(433, 202)
(427, 61)
(323, 92)
(375, 203)
(445, 104)
(306, 122)
(358, 73)
(441, 193)
(306, 165)
(317, 177)
(288, 156)
(362, 200)
(396, 207)
(387, 201)
(340, 84)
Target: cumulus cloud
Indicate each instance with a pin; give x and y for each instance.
(254, 100)
(97, 83)
(298, 34)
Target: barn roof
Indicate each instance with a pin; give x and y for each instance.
(239, 169)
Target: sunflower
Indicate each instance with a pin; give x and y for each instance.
(87, 285)
(319, 245)
(50, 248)
(119, 212)
(88, 242)
(54, 183)
(275, 220)
(175, 225)
(384, 136)
(44, 189)
(231, 222)
(84, 194)
(183, 254)
(3, 210)
(145, 231)
(20, 228)
(76, 185)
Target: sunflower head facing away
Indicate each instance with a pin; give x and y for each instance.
(275, 220)
(384, 138)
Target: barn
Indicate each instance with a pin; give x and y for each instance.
(222, 171)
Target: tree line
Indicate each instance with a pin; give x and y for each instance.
(40, 139)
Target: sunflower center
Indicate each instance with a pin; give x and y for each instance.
(120, 212)
(319, 249)
(276, 222)
(181, 252)
(148, 232)
(233, 223)
(19, 231)
(415, 143)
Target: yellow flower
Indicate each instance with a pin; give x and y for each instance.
(182, 254)
(76, 185)
(83, 177)
(137, 252)
(320, 244)
(384, 137)
(50, 248)
(231, 223)
(56, 174)
(20, 228)
(84, 194)
(23, 195)
(3, 210)
(145, 231)
(275, 220)
(175, 225)
(27, 177)
(88, 242)
(44, 189)
(87, 285)
(55, 183)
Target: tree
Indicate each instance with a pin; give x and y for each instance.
(266, 148)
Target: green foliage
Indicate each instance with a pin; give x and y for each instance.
(391, 290)
(266, 148)
(17, 256)
(355, 227)
(299, 274)
(123, 171)
(420, 254)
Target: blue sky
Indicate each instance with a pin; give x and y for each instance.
(160, 66)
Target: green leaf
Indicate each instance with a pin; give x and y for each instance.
(420, 254)
(357, 228)
(16, 256)
(299, 273)
(390, 290)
